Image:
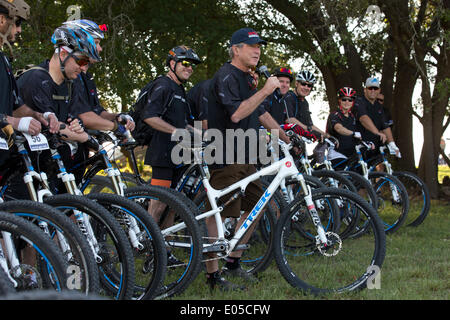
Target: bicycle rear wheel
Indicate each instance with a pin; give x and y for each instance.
(343, 264)
(419, 197)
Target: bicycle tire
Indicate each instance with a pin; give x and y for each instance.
(147, 284)
(82, 260)
(363, 187)
(332, 268)
(388, 211)
(47, 253)
(115, 249)
(326, 175)
(419, 193)
(182, 272)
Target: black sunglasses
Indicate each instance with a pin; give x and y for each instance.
(306, 84)
(373, 88)
(18, 22)
(347, 99)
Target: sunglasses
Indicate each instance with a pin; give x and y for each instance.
(373, 88)
(380, 100)
(81, 61)
(18, 22)
(187, 64)
(286, 70)
(346, 99)
(306, 84)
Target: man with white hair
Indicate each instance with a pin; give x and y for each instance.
(372, 120)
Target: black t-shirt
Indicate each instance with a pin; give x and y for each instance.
(302, 112)
(168, 101)
(9, 95)
(376, 114)
(231, 86)
(281, 108)
(90, 92)
(198, 99)
(346, 143)
(41, 93)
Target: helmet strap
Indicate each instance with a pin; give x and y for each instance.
(62, 64)
(174, 72)
(4, 38)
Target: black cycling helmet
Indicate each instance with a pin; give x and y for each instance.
(283, 72)
(180, 53)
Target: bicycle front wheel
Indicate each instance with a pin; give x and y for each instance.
(183, 245)
(393, 202)
(340, 265)
(146, 239)
(67, 236)
(41, 257)
(111, 247)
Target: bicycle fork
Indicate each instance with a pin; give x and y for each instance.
(132, 226)
(81, 218)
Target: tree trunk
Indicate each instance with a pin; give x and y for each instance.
(402, 113)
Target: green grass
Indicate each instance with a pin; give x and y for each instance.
(417, 266)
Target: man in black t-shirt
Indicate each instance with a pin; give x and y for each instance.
(166, 110)
(237, 106)
(281, 104)
(304, 82)
(13, 111)
(371, 118)
(49, 88)
(97, 117)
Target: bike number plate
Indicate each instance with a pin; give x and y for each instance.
(38, 142)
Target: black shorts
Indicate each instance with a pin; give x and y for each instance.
(168, 174)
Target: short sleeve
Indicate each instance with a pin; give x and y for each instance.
(157, 100)
(227, 91)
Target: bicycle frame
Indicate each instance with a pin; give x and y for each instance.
(284, 168)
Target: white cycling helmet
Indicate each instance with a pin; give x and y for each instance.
(305, 76)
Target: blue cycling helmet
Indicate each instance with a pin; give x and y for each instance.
(96, 31)
(76, 39)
